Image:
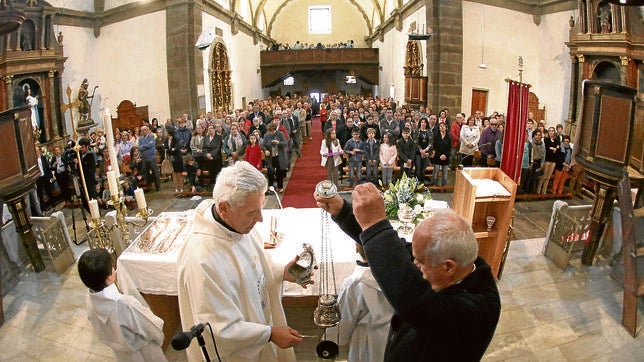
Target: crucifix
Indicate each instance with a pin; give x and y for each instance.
(71, 105)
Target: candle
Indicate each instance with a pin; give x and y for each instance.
(93, 209)
(109, 139)
(113, 183)
(140, 198)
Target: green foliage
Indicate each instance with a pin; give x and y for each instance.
(406, 190)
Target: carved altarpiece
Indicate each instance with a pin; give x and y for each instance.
(415, 82)
(32, 57)
(221, 88)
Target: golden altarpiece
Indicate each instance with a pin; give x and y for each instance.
(220, 78)
(415, 82)
(31, 60)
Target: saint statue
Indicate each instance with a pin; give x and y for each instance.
(83, 102)
(32, 101)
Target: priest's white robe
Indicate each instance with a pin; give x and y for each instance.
(226, 279)
(366, 314)
(130, 329)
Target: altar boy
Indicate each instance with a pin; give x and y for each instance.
(120, 321)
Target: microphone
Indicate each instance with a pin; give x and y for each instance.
(182, 340)
(272, 189)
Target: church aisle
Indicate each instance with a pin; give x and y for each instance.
(306, 172)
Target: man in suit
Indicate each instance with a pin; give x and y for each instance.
(292, 122)
(257, 113)
(44, 182)
(59, 169)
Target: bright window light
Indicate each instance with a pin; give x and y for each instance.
(289, 81)
(319, 20)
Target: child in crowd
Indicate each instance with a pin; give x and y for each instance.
(366, 314)
(388, 156)
(253, 153)
(120, 321)
(191, 170)
(331, 152)
(372, 154)
(355, 149)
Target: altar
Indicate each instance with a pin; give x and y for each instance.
(148, 268)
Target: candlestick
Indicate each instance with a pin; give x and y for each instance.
(113, 183)
(93, 209)
(109, 135)
(140, 198)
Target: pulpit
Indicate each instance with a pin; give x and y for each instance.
(18, 174)
(604, 148)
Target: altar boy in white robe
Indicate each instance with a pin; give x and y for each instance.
(227, 280)
(120, 321)
(365, 312)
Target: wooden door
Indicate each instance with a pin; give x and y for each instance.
(479, 101)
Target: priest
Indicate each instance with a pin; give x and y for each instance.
(227, 280)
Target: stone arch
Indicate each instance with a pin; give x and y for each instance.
(607, 71)
(219, 73)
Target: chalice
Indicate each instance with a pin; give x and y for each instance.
(406, 215)
(490, 220)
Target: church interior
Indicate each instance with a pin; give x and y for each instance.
(69, 68)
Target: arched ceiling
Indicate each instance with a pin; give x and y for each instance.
(262, 13)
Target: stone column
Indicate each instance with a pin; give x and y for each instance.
(445, 63)
(574, 94)
(184, 60)
(49, 113)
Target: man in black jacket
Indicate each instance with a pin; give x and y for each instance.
(445, 298)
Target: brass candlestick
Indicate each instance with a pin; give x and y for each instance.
(118, 202)
(144, 214)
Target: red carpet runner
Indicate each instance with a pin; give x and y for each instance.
(307, 172)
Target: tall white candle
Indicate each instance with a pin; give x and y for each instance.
(109, 139)
(112, 183)
(93, 209)
(140, 198)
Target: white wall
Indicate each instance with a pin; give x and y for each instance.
(80, 5)
(244, 62)
(80, 49)
(392, 57)
(136, 68)
(508, 35)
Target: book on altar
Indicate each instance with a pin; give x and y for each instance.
(489, 188)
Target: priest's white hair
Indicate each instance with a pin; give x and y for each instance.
(235, 182)
(451, 237)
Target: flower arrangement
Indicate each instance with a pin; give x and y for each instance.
(405, 190)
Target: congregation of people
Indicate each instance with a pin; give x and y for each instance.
(366, 139)
(298, 45)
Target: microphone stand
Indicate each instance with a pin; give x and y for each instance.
(202, 344)
(279, 202)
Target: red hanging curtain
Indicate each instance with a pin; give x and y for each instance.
(514, 132)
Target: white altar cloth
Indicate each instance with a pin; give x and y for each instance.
(157, 273)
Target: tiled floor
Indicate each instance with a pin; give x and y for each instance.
(548, 313)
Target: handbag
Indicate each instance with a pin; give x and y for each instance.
(166, 166)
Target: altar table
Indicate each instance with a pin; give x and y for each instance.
(154, 275)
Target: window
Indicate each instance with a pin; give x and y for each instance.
(289, 81)
(319, 20)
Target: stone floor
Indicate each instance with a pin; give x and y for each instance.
(548, 313)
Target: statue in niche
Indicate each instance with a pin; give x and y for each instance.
(32, 102)
(26, 41)
(604, 19)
